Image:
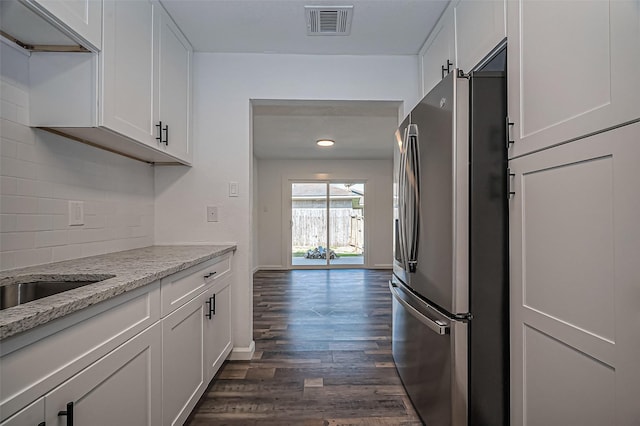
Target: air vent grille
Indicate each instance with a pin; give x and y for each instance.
(328, 20)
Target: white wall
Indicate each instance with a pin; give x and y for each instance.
(274, 199)
(41, 172)
(223, 86)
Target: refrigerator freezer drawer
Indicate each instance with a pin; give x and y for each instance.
(430, 352)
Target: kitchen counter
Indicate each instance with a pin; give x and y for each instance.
(132, 269)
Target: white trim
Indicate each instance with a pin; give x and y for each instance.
(382, 266)
(271, 268)
(243, 353)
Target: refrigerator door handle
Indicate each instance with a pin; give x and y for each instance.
(412, 188)
(437, 326)
(402, 199)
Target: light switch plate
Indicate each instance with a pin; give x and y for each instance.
(76, 213)
(233, 189)
(212, 213)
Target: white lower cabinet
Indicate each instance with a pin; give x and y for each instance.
(217, 329)
(143, 358)
(196, 337)
(123, 388)
(33, 415)
(37, 361)
(183, 358)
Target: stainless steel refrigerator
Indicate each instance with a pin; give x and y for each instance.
(450, 276)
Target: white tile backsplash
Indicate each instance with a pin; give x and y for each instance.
(40, 172)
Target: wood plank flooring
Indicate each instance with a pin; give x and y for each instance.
(323, 356)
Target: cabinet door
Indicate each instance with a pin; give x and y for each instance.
(123, 388)
(573, 69)
(480, 27)
(127, 68)
(183, 360)
(437, 50)
(83, 17)
(217, 329)
(33, 415)
(575, 241)
(173, 86)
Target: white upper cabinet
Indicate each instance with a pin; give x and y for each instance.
(437, 56)
(573, 69)
(480, 26)
(173, 86)
(82, 17)
(466, 33)
(127, 68)
(53, 25)
(133, 98)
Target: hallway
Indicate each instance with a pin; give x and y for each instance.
(323, 356)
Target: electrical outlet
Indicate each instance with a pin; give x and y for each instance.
(212, 213)
(76, 213)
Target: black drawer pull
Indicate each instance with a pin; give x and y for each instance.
(210, 274)
(68, 413)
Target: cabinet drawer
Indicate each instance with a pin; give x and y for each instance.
(179, 288)
(34, 362)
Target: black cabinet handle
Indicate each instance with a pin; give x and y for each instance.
(42, 424)
(510, 176)
(509, 126)
(210, 274)
(446, 70)
(159, 126)
(208, 314)
(166, 135)
(211, 303)
(68, 413)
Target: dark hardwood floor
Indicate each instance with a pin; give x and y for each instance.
(323, 356)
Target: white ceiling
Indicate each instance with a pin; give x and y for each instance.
(379, 27)
(284, 129)
(289, 129)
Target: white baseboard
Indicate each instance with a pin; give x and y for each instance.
(243, 353)
(382, 266)
(271, 268)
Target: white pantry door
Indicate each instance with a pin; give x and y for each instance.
(575, 288)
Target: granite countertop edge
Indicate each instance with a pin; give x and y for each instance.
(132, 269)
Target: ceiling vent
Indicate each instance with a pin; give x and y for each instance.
(328, 20)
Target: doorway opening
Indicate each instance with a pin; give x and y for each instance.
(327, 224)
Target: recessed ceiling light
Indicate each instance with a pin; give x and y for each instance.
(325, 142)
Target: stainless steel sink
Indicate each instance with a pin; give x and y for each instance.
(17, 294)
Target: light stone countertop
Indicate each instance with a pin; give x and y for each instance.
(132, 269)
